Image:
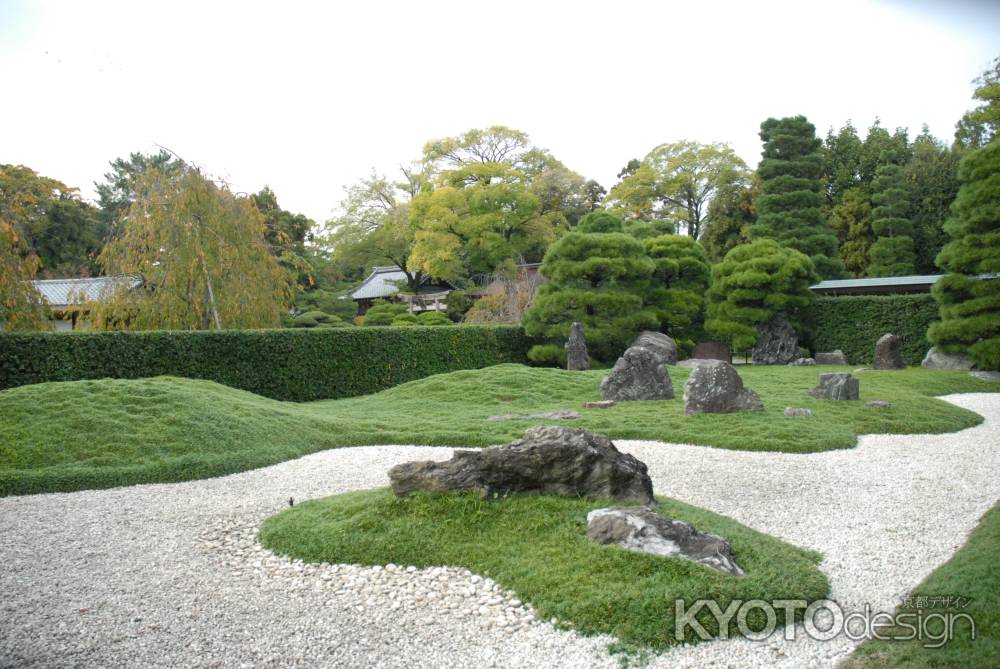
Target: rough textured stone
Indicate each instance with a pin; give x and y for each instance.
(802, 362)
(878, 404)
(797, 412)
(831, 358)
(549, 459)
(712, 350)
(562, 414)
(777, 343)
(576, 349)
(660, 344)
(601, 404)
(715, 387)
(638, 375)
(642, 529)
(887, 355)
(936, 359)
(836, 386)
(985, 375)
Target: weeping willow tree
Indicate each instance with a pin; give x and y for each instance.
(201, 256)
(21, 306)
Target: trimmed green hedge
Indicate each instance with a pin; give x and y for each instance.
(854, 323)
(296, 365)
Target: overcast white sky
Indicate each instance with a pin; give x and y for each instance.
(308, 97)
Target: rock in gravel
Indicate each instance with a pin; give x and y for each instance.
(600, 404)
(985, 375)
(878, 404)
(802, 362)
(660, 344)
(576, 349)
(797, 412)
(777, 343)
(549, 459)
(716, 387)
(831, 358)
(638, 375)
(937, 359)
(643, 530)
(712, 350)
(887, 355)
(836, 386)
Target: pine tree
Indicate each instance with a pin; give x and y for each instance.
(892, 253)
(969, 296)
(753, 283)
(679, 283)
(790, 206)
(598, 279)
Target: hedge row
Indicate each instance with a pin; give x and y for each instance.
(854, 323)
(294, 364)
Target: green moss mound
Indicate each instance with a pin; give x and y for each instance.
(537, 547)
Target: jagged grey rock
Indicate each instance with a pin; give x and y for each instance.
(600, 404)
(803, 362)
(643, 530)
(831, 358)
(576, 349)
(777, 343)
(936, 359)
(638, 375)
(985, 375)
(549, 459)
(836, 386)
(715, 387)
(887, 355)
(712, 350)
(797, 412)
(878, 404)
(662, 345)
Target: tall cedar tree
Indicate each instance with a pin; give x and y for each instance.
(598, 279)
(891, 254)
(969, 296)
(755, 282)
(677, 292)
(790, 206)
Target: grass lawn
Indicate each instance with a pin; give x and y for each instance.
(972, 573)
(99, 434)
(537, 547)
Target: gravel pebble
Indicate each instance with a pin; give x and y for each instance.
(171, 575)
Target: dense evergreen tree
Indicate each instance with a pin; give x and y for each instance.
(851, 220)
(931, 177)
(969, 296)
(891, 254)
(755, 282)
(679, 282)
(790, 206)
(598, 279)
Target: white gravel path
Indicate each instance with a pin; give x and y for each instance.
(170, 575)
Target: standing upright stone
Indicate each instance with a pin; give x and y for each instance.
(576, 349)
(638, 375)
(660, 344)
(887, 355)
(777, 343)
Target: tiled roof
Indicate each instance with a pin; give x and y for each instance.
(63, 292)
(385, 281)
(919, 280)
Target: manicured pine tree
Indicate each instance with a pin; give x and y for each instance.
(891, 254)
(598, 279)
(755, 282)
(969, 296)
(790, 206)
(679, 283)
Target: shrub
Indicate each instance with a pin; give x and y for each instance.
(456, 304)
(854, 323)
(404, 320)
(599, 221)
(318, 319)
(433, 318)
(292, 364)
(383, 313)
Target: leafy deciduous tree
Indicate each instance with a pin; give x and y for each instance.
(851, 220)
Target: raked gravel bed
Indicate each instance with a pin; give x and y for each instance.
(171, 575)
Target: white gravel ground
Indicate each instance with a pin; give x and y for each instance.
(170, 575)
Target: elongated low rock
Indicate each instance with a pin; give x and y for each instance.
(549, 459)
(831, 358)
(715, 387)
(938, 359)
(643, 530)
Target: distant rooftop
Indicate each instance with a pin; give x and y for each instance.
(60, 293)
(385, 281)
(875, 286)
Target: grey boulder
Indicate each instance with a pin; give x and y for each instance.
(831, 358)
(887, 355)
(577, 358)
(715, 387)
(638, 375)
(803, 362)
(878, 404)
(797, 412)
(936, 359)
(549, 460)
(643, 530)
(660, 344)
(837, 386)
(777, 343)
